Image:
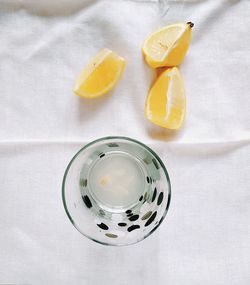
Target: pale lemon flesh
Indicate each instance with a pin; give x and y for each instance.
(168, 46)
(166, 101)
(100, 75)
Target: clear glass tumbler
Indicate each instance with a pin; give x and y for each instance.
(116, 191)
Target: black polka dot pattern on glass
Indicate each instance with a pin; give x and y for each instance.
(101, 212)
(147, 160)
(155, 163)
(151, 219)
(128, 211)
(87, 201)
(84, 182)
(151, 180)
(154, 194)
(102, 155)
(113, 145)
(140, 199)
(111, 235)
(147, 215)
(122, 224)
(134, 218)
(132, 228)
(162, 218)
(103, 226)
(148, 179)
(168, 202)
(160, 198)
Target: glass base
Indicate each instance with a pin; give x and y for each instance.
(117, 181)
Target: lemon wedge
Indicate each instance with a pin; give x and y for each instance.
(166, 101)
(100, 75)
(168, 46)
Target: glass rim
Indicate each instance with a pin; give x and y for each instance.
(112, 138)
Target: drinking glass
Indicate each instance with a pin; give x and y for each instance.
(116, 191)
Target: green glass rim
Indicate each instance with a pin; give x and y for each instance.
(115, 138)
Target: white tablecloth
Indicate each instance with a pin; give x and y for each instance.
(43, 46)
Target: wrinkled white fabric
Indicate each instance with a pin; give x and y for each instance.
(43, 47)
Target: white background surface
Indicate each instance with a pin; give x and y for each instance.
(43, 46)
